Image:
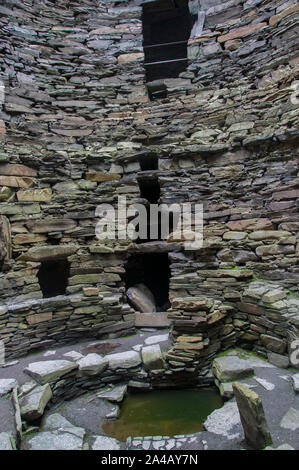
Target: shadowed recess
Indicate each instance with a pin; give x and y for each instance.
(53, 277)
(166, 29)
(153, 271)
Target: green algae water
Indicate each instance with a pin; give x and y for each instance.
(163, 413)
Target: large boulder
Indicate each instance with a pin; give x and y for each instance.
(142, 298)
(33, 404)
(49, 371)
(252, 416)
(230, 368)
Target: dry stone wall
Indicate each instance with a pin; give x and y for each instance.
(76, 124)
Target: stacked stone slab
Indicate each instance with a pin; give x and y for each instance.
(75, 125)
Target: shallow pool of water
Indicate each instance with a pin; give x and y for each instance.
(163, 413)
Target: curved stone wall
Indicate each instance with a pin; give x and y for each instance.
(75, 121)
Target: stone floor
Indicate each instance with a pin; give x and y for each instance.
(76, 424)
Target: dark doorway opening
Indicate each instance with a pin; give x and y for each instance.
(53, 277)
(149, 189)
(154, 230)
(148, 162)
(167, 27)
(153, 270)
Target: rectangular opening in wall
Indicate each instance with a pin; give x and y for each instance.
(167, 26)
(147, 282)
(53, 277)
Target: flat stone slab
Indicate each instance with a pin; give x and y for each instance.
(5, 441)
(225, 389)
(74, 355)
(252, 416)
(49, 353)
(290, 419)
(223, 420)
(106, 443)
(156, 339)
(139, 385)
(55, 421)
(46, 253)
(92, 364)
(49, 371)
(54, 440)
(257, 362)
(6, 386)
(7, 415)
(116, 394)
(230, 368)
(124, 360)
(295, 382)
(152, 320)
(114, 413)
(33, 404)
(142, 298)
(278, 360)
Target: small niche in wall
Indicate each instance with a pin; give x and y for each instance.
(149, 162)
(53, 277)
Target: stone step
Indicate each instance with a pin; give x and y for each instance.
(152, 320)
